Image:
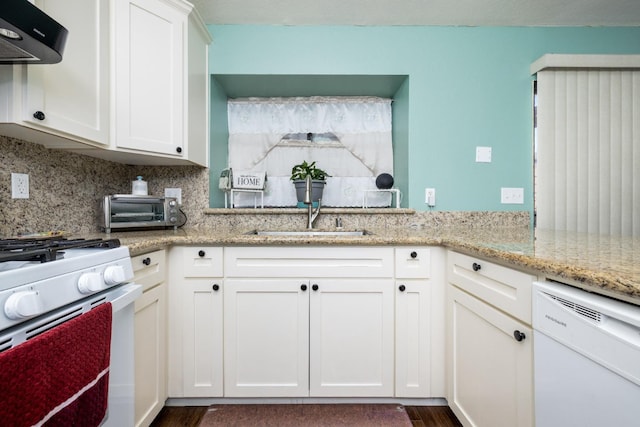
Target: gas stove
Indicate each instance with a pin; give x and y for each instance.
(38, 275)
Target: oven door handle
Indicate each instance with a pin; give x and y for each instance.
(125, 295)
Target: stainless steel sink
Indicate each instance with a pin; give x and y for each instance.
(311, 233)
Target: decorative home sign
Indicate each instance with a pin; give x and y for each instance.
(249, 180)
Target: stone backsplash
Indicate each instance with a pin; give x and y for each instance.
(65, 188)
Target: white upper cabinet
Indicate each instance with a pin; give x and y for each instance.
(161, 80)
(149, 76)
(132, 87)
(60, 105)
(72, 97)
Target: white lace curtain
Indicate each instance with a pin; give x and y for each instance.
(362, 126)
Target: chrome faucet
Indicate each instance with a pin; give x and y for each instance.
(311, 214)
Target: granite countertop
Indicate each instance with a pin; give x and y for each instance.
(602, 264)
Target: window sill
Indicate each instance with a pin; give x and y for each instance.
(291, 211)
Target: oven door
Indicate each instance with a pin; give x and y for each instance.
(120, 411)
(121, 372)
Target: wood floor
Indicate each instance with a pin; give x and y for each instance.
(421, 416)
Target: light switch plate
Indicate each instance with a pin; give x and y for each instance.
(174, 192)
(483, 154)
(512, 196)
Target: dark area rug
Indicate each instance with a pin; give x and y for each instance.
(307, 415)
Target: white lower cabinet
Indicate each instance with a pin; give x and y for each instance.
(195, 328)
(266, 338)
(351, 337)
(413, 346)
(419, 322)
(300, 337)
(306, 322)
(490, 350)
(150, 332)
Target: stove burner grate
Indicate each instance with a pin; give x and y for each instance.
(47, 249)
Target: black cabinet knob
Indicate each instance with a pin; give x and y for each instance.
(476, 266)
(146, 261)
(519, 336)
(414, 254)
(303, 287)
(179, 150)
(216, 287)
(201, 253)
(314, 287)
(402, 288)
(39, 115)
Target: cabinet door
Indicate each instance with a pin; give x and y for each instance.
(490, 373)
(150, 354)
(73, 95)
(197, 144)
(149, 93)
(202, 337)
(413, 338)
(351, 337)
(266, 338)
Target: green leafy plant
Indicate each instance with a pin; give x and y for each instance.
(300, 172)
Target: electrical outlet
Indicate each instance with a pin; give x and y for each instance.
(19, 186)
(512, 196)
(174, 192)
(430, 196)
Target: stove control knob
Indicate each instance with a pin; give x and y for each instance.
(114, 275)
(90, 282)
(23, 305)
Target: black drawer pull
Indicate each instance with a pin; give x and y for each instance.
(476, 266)
(519, 336)
(414, 254)
(314, 287)
(146, 261)
(216, 287)
(201, 253)
(402, 288)
(303, 287)
(39, 115)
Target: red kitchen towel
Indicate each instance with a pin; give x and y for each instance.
(61, 377)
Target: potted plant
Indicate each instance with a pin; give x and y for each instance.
(318, 176)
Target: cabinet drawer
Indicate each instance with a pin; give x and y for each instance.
(202, 261)
(413, 263)
(149, 269)
(308, 262)
(502, 287)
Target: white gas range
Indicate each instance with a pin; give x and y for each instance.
(45, 282)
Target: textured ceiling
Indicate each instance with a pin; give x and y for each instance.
(422, 12)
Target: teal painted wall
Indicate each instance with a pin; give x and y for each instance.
(219, 135)
(469, 86)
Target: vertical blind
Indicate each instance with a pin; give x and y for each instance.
(588, 159)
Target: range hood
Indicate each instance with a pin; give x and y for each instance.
(28, 35)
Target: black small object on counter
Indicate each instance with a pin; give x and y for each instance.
(384, 181)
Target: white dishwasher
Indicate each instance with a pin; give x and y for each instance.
(586, 358)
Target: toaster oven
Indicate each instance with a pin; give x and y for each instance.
(126, 211)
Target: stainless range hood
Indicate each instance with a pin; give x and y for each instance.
(28, 35)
